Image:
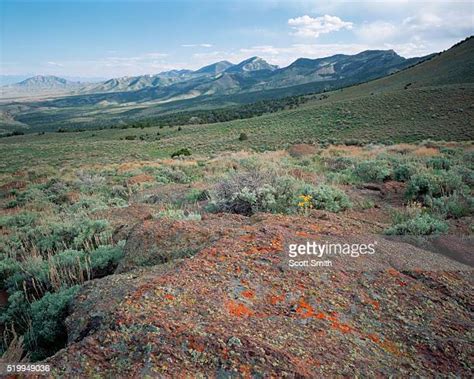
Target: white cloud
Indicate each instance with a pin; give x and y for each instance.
(51, 63)
(206, 45)
(427, 29)
(306, 26)
(376, 31)
(155, 55)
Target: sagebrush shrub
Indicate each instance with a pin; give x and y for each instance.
(181, 152)
(421, 224)
(256, 190)
(404, 171)
(426, 186)
(439, 163)
(48, 333)
(455, 206)
(329, 198)
(373, 170)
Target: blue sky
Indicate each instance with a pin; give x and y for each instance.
(120, 38)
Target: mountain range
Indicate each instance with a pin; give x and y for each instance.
(224, 78)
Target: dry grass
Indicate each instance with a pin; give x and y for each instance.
(424, 151)
(302, 150)
(15, 352)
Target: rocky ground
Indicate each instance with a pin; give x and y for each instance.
(216, 298)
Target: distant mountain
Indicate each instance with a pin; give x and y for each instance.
(252, 75)
(251, 64)
(247, 81)
(347, 69)
(44, 82)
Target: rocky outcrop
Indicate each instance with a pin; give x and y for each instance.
(237, 309)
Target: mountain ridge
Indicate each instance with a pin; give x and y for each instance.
(250, 75)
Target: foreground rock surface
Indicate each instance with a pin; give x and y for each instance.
(235, 308)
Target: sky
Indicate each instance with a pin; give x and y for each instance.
(105, 38)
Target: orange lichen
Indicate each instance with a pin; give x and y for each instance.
(304, 310)
(375, 304)
(247, 237)
(275, 299)
(374, 338)
(169, 296)
(303, 234)
(246, 371)
(342, 327)
(195, 345)
(393, 272)
(320, 315)
(248, 294)
(238, 309)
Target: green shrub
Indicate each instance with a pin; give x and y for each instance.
(167, 174)
(20, 220)
(8, 267)
(256, 190)
(454, 206)
(328, 198)
(339, 163)
(404, 171)
(48, 332)
(420, 186)
(196, 195)
(439, 163)
(426, 186)
(373, 170)
(184, 151)
(421, 224)
(105, 259)
(466, 174)
(243, 137)
(17, 313)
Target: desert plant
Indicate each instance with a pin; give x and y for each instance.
(439, 163)
(328, 198)
(403, 172)
(455, 206)
(256, 190)
(425, 186)
(421, 224)
(243, 137)
(373, 170)
(48, 332)
(181, 152)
